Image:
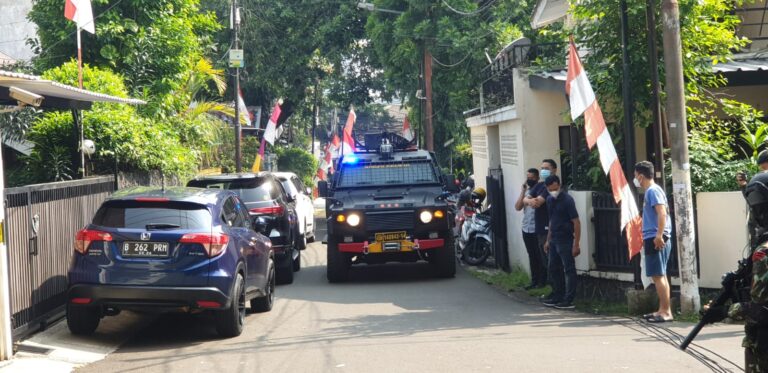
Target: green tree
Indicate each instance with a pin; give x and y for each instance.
(138, 143)
(152, 43)
(457, 43)
(708, 35)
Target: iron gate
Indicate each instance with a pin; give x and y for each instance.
(495, 183)
(611, 253)
(41, 223)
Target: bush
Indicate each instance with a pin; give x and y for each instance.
(298, 161)
(138, 143)
(709, 171)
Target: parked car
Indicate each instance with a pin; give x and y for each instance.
(187, 250)
(305, 209)
(265, 198)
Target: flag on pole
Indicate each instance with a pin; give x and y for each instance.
(270, 134)
(348, 144)
(244, 113)
(583, 101)
(407, 133)
(79, 11)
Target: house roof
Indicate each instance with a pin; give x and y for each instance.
(56, 95)
(739, 63)
(751, 64)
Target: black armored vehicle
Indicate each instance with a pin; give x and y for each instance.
(385, 203)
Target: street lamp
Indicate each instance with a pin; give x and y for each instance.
(372, 8)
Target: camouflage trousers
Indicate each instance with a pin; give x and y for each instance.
(756, 349)
(754, 363)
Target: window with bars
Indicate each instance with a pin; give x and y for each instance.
(390, 173)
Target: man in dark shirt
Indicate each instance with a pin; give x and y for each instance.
(562, 245)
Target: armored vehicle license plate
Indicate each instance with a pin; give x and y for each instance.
(391, 236)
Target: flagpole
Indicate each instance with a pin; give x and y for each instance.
(80, 84)
(79, 60)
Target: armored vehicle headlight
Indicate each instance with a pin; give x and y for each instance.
(353, 220)
(425, 217)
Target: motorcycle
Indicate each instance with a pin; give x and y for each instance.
(474, 240)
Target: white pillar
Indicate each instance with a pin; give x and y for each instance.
(6, 339)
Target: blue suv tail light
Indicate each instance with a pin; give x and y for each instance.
(214, 244)
(84, 238)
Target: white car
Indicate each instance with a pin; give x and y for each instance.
(305, 209)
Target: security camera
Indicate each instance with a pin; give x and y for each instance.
(89, 147)
(25, 97)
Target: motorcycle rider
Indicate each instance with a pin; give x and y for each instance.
(755, 311)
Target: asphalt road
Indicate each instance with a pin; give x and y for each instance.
(396, 318)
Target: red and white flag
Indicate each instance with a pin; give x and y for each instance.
(583, 101)
(348, 144)
(80, 12)
(407, 132)
(245, 115)
(335, 146)
(270, 134)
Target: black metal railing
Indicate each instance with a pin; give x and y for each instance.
(611, 252)
(496, 88)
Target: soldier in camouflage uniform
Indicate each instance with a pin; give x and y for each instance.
(755, 312)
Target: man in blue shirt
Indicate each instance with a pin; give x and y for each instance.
(657, 230)
(562, 245)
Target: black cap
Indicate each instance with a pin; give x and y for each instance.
(762, 157)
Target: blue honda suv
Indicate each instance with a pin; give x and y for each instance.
(180, 249)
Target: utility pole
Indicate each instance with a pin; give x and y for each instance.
(316, 119)
(629, 128)
(681, 175)
(238, 131)
(429, 136)
(653, 58)
(626, 93)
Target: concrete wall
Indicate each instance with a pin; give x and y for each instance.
(515, 138)
(15, 29)
(722, 234)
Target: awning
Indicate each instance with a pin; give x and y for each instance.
(56, 95)
(549, 80)
(548, 11)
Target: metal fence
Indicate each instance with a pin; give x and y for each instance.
(611, 253)
(495, 184)
(41, 223)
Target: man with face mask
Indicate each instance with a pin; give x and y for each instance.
(536, 258)
(562, 245)
(537, 199)
(657, 229)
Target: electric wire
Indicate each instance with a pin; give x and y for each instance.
(472, 13)
(451, 65)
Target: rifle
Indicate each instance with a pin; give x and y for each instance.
(732, 285)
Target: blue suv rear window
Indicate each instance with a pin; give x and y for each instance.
(140, 215)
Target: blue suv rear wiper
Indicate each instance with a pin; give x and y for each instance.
(153, 226)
